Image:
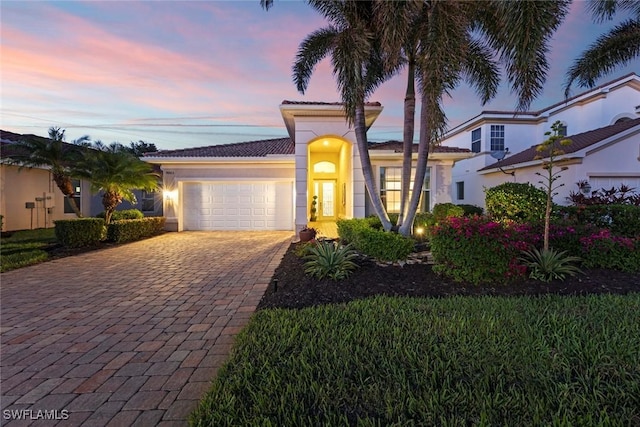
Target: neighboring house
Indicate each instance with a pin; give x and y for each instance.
(603, 124)
(29, 197)
(270, 184)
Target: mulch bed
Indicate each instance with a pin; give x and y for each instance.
(297, 290)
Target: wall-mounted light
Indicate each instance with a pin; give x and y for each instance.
(171, 195)
(585, 187)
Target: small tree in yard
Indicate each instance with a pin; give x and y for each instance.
(116, 172)
(549, 151)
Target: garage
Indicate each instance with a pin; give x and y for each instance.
(233, 205)
(607, 182)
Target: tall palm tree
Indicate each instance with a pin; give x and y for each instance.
(618, 47)
(57, 155)
(116, 172)
(358, 67)
(441, 43)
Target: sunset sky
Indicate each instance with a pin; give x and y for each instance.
(186, 74)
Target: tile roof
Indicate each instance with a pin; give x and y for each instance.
(10, 150)
(396, 146)
(261, 148)
(287, 102)
(578, 142)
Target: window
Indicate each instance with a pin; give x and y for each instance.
(497, 137)
(460, 190)
(562, 130)
(476, 136)
(390, 183)
(148, 201)
(76, 197)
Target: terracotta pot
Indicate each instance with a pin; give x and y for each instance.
(306, 235)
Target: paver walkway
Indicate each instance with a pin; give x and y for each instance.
(130, 335)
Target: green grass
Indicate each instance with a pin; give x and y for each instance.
(565, 361)
(24, 248)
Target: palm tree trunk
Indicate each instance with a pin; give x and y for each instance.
(65, 185)
(407, 145)
(421, 166)
(367, 169)
(110, 200)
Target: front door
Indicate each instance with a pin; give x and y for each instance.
(325, 189)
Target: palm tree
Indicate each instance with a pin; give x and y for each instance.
(441, 43)
(53, 152)
(618, 47)
(116, 172)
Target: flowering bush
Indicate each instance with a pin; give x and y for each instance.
(604, 250)
(479, 250)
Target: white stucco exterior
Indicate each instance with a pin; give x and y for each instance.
(594, 109)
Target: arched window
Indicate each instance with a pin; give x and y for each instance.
(324, 167)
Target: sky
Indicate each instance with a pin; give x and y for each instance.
(182, 74)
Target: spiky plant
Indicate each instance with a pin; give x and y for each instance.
(548, 264)
(330, 260)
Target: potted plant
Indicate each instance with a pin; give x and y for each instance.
(313, 209)
(307, 234)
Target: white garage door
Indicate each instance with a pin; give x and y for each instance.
(238, 206)
(602, 182)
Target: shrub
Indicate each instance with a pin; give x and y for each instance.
(471, 210)
(604, 250)
(382, 245)
(330, 260)
(622, 195)
(123, 214)
(75, 233)
(446, 210)
(478, 250)
(547, 265)
(516, 202)
(349, 228)
(128, 230)
(623, 220)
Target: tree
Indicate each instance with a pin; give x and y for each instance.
(618, 47)
(441, 43)
(33, 151)
(139, 148)
(549, 151)
(116, 172)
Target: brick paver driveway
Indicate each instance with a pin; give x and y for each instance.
(130, 335)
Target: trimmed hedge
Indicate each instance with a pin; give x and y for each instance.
(123, 214)
(76, 233)
(446, 210)
(514, 201)
(622, 220)
(368, 239)
(128, 230)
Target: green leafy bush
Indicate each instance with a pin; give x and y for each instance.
(330, 260)
(383, 246)
(123, 214)
(478, 250)
(76, 233)
(128, 230)
(471, 210)
(349, 228)
(515, 202)
(550, 264)
(622, 220)
(604, 250)
(446, 210)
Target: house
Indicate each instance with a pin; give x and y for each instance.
(30, 199)
(271, 184)
(602, 124)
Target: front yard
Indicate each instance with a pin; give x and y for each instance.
(549, 360)
(23, 248)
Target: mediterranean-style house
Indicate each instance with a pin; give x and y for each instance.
(272, 184)
(30, 199)
(602, 123)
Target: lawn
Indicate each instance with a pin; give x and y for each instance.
(546, 360)
(22, 248)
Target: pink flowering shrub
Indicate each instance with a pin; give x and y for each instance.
(605, 250)
(479, 250)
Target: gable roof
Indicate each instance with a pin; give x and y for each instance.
(9, 149)
(579, 142)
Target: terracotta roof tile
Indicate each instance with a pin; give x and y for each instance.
(287, 102)
(396, 146)
(578, 142)
(261, 148)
